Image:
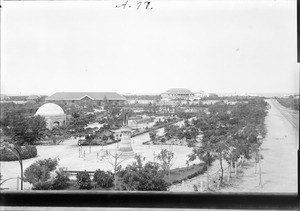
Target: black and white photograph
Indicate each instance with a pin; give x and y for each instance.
(149, 96)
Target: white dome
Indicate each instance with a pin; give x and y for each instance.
(50, 109)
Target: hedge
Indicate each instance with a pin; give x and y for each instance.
(201, 171)
(27, 151)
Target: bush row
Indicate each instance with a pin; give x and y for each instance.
(201, 171)
(27, 151)
(104, 179)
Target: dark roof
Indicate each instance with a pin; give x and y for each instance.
(80, 95)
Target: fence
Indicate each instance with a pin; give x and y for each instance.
(212, 181)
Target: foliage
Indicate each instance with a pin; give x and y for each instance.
(27, 151)
(230, 131)
(104, 179)
(78, 124)
(290, 102)
(23, 129)
(144, 178)
(38, 174)
(57, 134)
(153, 135)
(84, 180)
(61, 180)
(166, 159)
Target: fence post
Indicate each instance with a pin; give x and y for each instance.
(228, 174)
(97, 156)
(259, 168)
(201, 184)
(79, 152)
(207, 181)
(255, 167)
(17, 182)
(84, 154)
(235, 168)
(230, 168)
(219, 180)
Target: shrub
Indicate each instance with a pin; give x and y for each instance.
(38, 174)
(47, 185)
(84, 180)
(61, 180)
(104, 179)
(27, 151)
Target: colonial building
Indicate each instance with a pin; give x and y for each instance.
(98, 97)
(53, 114)
(177, 93)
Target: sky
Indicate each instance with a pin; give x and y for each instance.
(216, 46)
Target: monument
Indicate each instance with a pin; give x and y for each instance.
(125, 146)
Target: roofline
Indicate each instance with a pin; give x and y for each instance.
(87, 96)
(83, 97)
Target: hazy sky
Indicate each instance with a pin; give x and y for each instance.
(215, 46)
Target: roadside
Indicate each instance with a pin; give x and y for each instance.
(279, 166)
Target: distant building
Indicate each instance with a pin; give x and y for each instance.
(142, 102)
(53, 114)
(4, 97)
(177, 93)
(33, 98)
(200, 94)
(98, 97)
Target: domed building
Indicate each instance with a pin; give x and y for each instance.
(53, 113)
(177, 93)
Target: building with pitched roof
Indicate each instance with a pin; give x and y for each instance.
(177, 93)
(99, 97)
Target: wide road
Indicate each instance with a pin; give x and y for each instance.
(292, 116)
(280, 159)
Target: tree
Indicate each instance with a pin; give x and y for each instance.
(166, 159)
(115, 159)
(78, 125)
(144, 178)
(84, 180)
(61, 180)
(203, 153)
(153, 135)
(57, 134)
(24, 129)
(38, 174)
(104, 179)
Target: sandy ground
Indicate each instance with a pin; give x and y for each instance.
(68, 154)
(280, 163)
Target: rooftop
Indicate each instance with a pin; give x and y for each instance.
(179, 90)
(80, 95)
